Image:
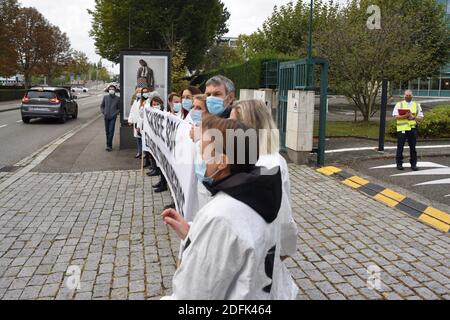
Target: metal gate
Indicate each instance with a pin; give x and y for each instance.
(293, 75)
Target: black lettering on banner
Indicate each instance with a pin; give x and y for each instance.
(171, 133)
(155, 122)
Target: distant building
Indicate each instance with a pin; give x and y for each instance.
(17, 80)
(229, 41)
(438, 86)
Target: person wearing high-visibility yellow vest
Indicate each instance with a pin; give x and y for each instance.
(407, 123)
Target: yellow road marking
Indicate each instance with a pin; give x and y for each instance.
(435, 223)
(359, 180)
(438, 214)
(393, 195)
(351, 184)
(386, 200)
(328, 171)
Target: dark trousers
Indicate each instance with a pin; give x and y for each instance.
(110, 127)
(139, 145)
(411, 137)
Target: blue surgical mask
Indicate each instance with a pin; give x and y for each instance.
(196, 116)
(216, 106)
(200, 172)
(177, 107)
(187, 104)
(138, 96)
(145, 95)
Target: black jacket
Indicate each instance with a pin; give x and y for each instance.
(110, 106)
(261, 192)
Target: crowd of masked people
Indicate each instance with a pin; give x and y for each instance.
(235, 246)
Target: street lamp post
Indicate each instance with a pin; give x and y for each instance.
(310, 40)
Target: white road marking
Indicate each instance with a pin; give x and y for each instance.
(431, 172)
(436, 182)
(37, 157)
(407, 165)
(20, 121)
(3, 126)
(386, 148)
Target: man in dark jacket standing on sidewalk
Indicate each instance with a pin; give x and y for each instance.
(110, 108)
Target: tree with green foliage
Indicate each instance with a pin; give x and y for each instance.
(58, 54)
(8, 55)
(155, 24)
(286, 30)
(221, 54)
(79, 63)
(413, 42)
(179, 70)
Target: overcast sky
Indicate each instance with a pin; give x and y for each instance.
(72, 18)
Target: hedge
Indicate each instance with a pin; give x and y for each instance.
(436, 124)
(247, 75)
(11, 94)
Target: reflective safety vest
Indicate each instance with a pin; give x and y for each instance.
(405, 124)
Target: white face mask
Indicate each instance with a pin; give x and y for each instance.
(112, 92)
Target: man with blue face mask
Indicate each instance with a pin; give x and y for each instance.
(110, 108)
(221, 93)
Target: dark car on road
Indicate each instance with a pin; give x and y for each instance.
(49, 102)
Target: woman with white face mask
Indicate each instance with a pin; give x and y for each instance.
(139, 125)
(187, 101)
(133, 119)
(229, 252)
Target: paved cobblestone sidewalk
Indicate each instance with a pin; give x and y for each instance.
(107, 223)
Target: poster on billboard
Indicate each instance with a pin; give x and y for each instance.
(143, 68)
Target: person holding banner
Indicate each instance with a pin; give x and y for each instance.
(175, 106)
(229, 252)
(139, 123)
(221, 93)
(133, 118)
(255, 114)
(161, 186)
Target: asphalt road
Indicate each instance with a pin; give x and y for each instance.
(431, 182)
(19, 140)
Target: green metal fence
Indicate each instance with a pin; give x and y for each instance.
(293, 75)
(270, 74)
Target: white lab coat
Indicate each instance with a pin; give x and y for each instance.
(289, 230)
(225, 258)
(136, 117)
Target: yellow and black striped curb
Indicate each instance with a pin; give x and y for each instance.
(431, 216)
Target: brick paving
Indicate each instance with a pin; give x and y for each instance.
(107, 224)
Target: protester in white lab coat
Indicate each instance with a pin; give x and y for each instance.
(199, 111)
(134, 112)
(187, 100)
(256, 115)
(231, 250)
(174, 105)
(137, 119)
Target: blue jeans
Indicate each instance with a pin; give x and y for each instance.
(110, 127)
(139, 145)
